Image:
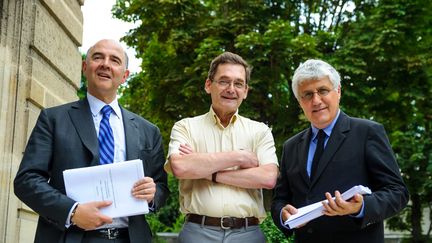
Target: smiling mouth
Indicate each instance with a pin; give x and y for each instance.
(321, 109)
(102, 75)
(229, 98)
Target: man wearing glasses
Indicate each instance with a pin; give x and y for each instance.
(222, 161)
(336, 153)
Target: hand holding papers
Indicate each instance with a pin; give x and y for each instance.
(112, 182)
(312, 211)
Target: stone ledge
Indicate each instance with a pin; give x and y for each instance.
(167, 237)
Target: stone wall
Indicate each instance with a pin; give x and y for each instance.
(40, 66)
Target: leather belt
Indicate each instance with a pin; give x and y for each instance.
(223, 222)
(110, 234)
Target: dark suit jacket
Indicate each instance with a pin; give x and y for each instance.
(357, 153)
(64, 138)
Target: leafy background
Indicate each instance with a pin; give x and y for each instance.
(381, 49)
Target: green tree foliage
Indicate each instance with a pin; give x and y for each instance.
(381, 49)
(83, 89)
(390, 81)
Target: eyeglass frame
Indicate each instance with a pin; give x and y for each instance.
(321, 92)
(225, 84)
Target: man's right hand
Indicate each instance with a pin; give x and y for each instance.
(248, 159)
(287, 211)
(88, 216)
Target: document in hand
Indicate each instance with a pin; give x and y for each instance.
(111, 182)
(312, 211)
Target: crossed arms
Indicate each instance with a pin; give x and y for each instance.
(249, 173)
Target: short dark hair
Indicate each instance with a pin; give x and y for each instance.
(230, 58)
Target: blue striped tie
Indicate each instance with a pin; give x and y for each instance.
(106, 138)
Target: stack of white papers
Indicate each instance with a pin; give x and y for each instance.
(112, 182)
(312, 211)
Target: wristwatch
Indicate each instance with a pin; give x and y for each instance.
(72, 214)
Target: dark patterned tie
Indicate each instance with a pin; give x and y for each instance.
(106, 138)
(318, 152)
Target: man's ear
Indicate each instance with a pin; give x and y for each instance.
(125, 75)
(246, 92)
(207, 85)
(83, 66)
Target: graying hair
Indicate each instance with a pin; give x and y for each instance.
(314, 69)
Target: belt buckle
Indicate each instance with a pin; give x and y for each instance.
(112, 233)
(222, 223)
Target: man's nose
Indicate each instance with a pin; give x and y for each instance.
(316, 98)
(106, 63)
(231, 87)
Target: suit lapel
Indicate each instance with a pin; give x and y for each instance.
(81, 117)
(131, 135)
(336, 138)
(302, 151)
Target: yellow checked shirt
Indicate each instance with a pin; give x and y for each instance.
(205, 134)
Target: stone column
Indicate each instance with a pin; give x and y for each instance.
(40, 66)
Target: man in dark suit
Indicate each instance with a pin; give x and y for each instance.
(66, 137)
(349, 151)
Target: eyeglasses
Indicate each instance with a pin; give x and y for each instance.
(321, 92)
(226, 83)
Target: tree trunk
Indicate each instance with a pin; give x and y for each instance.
(416, 216)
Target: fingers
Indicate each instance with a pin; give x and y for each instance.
(356, 203)
(287, 211)
(144, 189)
(185, 149)
(105, 219)
(101, 204)
(338, 206)
(358, 198)
(87, 215)
(249, 159)
(331, 207)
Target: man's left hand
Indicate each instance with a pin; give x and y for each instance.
(144, 189)
(340, 207)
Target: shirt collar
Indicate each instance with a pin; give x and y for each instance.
(96, 105)
(328, 130)
(216, 119)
